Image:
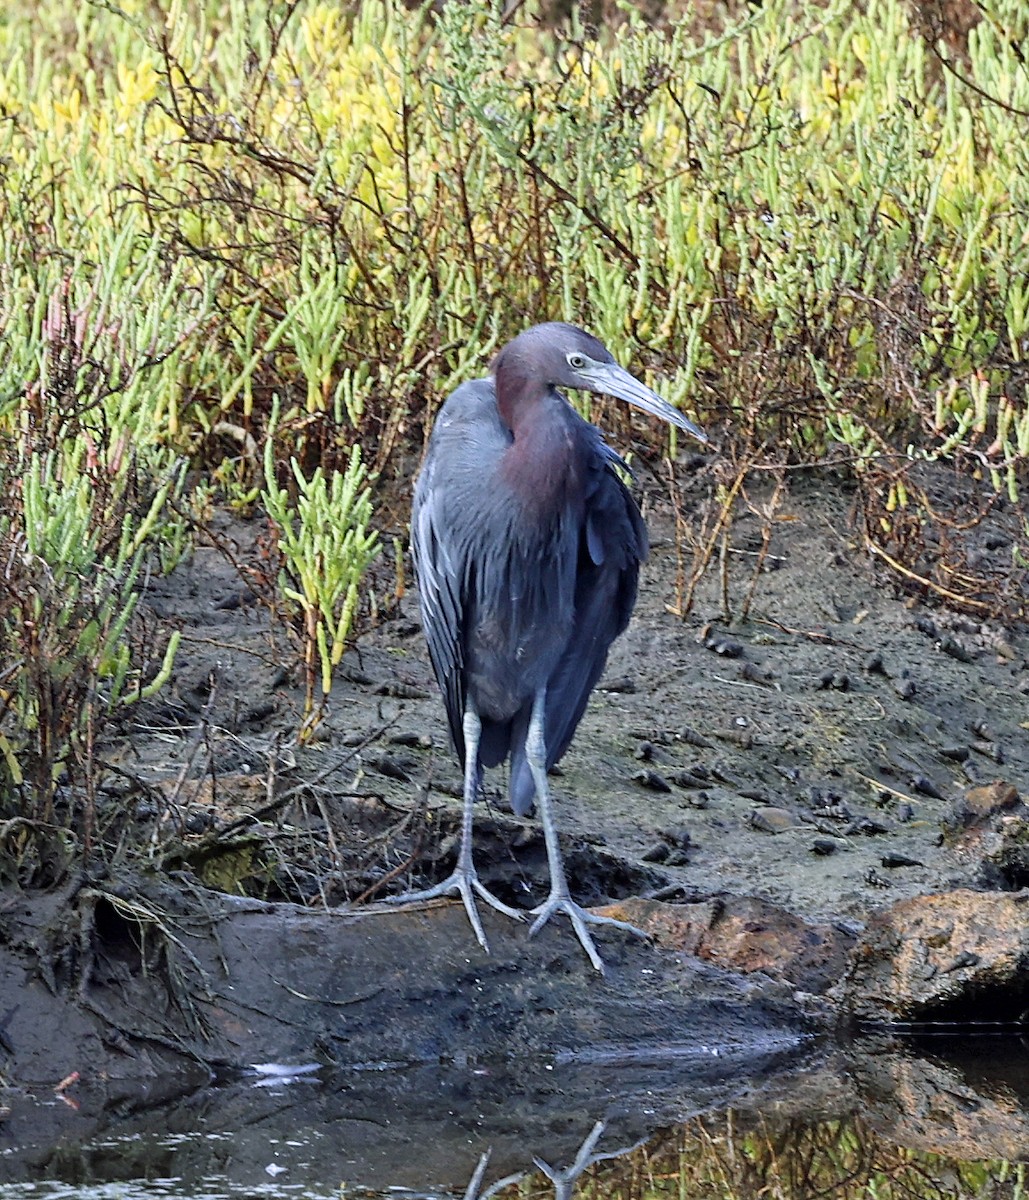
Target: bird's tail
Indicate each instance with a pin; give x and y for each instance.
(521, 791)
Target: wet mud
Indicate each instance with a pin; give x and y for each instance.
(751, 792)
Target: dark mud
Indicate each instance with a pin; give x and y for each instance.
(816, 758)
(811, 756)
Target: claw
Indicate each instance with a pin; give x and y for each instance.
(580, 917)
(464, 881)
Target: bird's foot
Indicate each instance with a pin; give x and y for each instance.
(580, 917)
(464, 881)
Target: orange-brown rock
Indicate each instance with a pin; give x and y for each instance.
(980, 803)
(745, 933)
(952, 956)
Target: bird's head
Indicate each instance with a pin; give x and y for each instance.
(556, 355)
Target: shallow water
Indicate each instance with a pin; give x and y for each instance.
(877, 1119)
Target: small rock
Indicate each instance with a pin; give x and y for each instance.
(677, 858)
(921, 783)
(624, 685)
(692, 777)
(824, 846)
(874, 664)
(680, 838)
(257, 712)
(726, 647)
(992, 750)
(769, 819)
(391, 765)
(692, 738)
(905, 688)
(900, 860)
(980, 803)
(871, 826)
(652, 781)
(658, 853)
(950, 645)
(408, 737)
(956, 752)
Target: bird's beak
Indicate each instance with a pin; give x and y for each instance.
(613, 380)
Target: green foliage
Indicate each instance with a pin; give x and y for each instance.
(86, 517)
(808, 219)
(326, 547)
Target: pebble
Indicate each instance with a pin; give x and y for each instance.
(658, 853)
(769, 819)
(980, 803)
(900, 860)
(692, 738)
(392, 766)
(874, 664)
(992, 750)
(257, 712)
(726, 647)
(950, 645)
(956, 753)
(824, 846)
(923, 784)
(652, 781)
(905, 688)
(692, 778)
(408, 737)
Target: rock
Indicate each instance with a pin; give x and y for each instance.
(980, 803)
(652, 781)
(773, 820)
(745, 933)
(824, 846)
(658, 853)
(953, 956)
(939, 1106)
(893, 860)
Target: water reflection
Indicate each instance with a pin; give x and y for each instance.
(877, 1121)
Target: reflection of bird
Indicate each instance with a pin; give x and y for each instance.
(527, 548)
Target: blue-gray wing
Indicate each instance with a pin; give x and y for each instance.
(612, 544)
(467, 438)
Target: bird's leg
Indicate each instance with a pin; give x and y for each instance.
(560, 898)
(464, 879)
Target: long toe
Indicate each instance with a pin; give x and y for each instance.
(580, 917)
(464, 883)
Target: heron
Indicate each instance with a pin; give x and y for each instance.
(527, 546)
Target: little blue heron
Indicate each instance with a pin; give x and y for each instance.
(527, 547)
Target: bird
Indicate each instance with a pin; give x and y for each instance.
(527, 546)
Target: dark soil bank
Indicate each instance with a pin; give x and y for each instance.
(775, 783)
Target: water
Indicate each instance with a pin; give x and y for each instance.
(874, 1120)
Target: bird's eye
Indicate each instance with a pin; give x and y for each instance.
(576, 361)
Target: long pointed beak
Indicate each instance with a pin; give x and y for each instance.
(613, 380)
